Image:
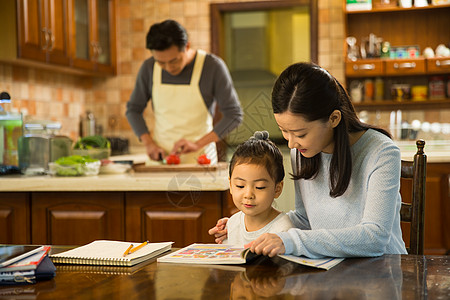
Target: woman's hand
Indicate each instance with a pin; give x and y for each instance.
(219, 231)
(268, 244)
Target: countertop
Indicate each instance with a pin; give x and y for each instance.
(216, 180)
(436, 151)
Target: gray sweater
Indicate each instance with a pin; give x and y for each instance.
(365, 220)
(216, 87)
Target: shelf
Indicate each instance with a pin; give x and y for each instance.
(405, 105)
(394, 9)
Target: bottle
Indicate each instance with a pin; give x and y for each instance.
(87, 125)
(379, 89)
(368, 90)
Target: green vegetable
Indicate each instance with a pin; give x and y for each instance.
(91, 142)
(74, 159)
(74, 165)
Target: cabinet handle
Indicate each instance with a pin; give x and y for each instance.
(94, 51)
(46, 38)
(364, 67)
(443, 63)
(405, 65)
(52, 40)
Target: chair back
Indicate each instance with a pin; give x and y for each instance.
(414, 212)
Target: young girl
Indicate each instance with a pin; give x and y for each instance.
(256, 179)
(347, 173)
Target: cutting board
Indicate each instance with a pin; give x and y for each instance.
(180, 168)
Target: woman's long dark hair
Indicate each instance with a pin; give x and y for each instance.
(311, 92)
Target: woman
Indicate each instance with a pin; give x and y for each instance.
(347, 173)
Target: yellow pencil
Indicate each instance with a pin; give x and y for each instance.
(128, 250)
(138, 247)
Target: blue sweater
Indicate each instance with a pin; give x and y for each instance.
(365, 220)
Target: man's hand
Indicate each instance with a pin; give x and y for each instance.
(268, 244)
(219, 231)
(183, 146)
(155, 152)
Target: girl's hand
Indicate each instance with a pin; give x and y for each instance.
(219, 231)
(268, 244)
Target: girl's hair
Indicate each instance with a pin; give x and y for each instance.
(260, 150)
(311, 92)
(162, 36)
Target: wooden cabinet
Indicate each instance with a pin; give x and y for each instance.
(42, 27)
(76, 218)
(182, 217)
(15, 218)
(92, 35)
(76, 36)
(401, 27)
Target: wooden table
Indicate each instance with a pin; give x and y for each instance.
(386, 277)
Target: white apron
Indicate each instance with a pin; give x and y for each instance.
(180, 112)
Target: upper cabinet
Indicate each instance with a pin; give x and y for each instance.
(41, 31)
(73, 35)
(388, 55)
(92, 35)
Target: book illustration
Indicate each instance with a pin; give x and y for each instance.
(209, 252)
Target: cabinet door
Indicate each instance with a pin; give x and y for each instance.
(15, 218)
(92, 34)
(104, 36)
(56, 29)
(32, 38)
(76, 218)
(181, 217)
(42, 31)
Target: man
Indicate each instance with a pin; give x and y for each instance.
(184, 86)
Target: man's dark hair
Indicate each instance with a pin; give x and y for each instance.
(164, 35)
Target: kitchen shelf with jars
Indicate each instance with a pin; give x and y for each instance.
(397, 54)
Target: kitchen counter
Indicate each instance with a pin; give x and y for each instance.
(160, 181)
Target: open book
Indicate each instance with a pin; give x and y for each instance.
(110, 253)
(229, 254)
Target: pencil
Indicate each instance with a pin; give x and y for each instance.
(128, 250)
(138, 247)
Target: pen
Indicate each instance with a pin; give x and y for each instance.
(138, 247)
(128, 250)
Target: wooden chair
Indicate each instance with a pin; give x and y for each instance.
(414, 212)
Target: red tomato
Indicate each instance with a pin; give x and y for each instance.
(173, 159)
(203, 160)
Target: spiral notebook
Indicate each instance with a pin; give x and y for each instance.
(110, 253)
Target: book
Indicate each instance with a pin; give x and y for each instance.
(110, 253)
(11, 254)
(230, 254)
(28, 263)
(45, 270)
